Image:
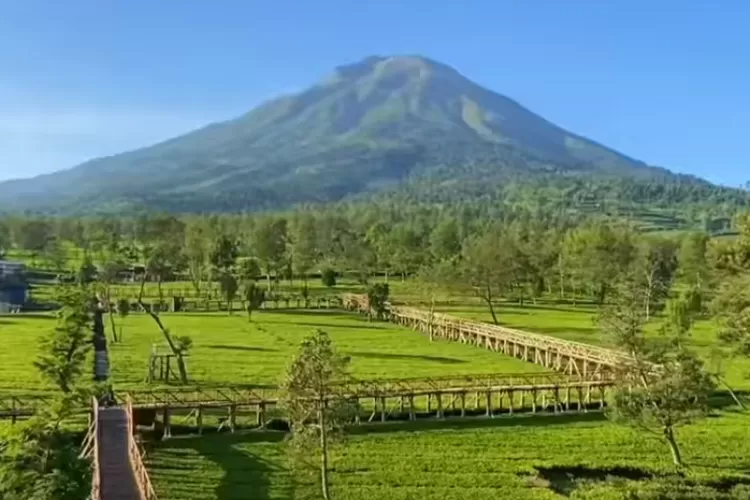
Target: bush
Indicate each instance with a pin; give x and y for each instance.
(328, 277)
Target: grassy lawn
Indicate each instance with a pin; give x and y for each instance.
(519, 458)
(231, 350)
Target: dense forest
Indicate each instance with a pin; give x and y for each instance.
(516, 254)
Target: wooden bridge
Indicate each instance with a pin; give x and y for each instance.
(117, 468)
(575, 358)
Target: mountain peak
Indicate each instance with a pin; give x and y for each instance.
(370, 124)
(407, 65)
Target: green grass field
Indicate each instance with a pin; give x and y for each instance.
(231, 350)
(541, 457)
(518, 457)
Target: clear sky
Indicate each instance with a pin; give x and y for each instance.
(664, 81)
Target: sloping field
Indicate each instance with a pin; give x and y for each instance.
(519, 458)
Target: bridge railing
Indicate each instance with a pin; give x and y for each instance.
(90, 450)
(601, 355)
(142, 479)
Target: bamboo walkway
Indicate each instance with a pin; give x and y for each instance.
(117, 469)
(574, 358)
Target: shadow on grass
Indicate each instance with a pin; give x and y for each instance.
(36, 316)
(563, 480)
(722, 399)
(246, 475)
(306, 312)
(325, 325)
(240, 348)
(386, 355)
(477, 423)
(566, 479)
(6, 322)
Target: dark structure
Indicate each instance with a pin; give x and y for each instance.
(13, 286)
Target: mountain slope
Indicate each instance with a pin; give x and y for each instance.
(365, 126)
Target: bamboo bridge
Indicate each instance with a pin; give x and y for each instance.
(574, 358)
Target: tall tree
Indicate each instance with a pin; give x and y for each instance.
(63, 351)
(445, 240)
(656, 262)
(431, 280)
(270, 245)
(108, 274)
(162, 262)
(692, 259)
(664, 385)
(197, 248)
(179, 345)
(254, 297)
(316, 410)
(228, 286)
(303, 245)
(600, 254)
(33, 235)
(41, 460)
(488, 268)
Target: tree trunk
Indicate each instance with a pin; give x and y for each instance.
(673, 447)
(158, 287)
(431, 325)
(737, 400)
(165, 333)
(268, 280)
(229, 306)
(111, 317)
(649, 293)
(488, 299)
(602, 294)
(323, 451)
(181, 367)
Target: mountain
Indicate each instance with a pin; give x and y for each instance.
(365, 127)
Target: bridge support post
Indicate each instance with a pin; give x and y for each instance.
(510, 401)
(260, 417)
(199, 419)
(533, 401)
(463, 404)
(166, 418)
(488, 411)
(232, 417)
(382, 409)
(439, 397)
(412, 414)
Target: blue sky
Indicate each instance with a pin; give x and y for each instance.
(664, 81)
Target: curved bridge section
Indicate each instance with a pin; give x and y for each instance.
(569, 357)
